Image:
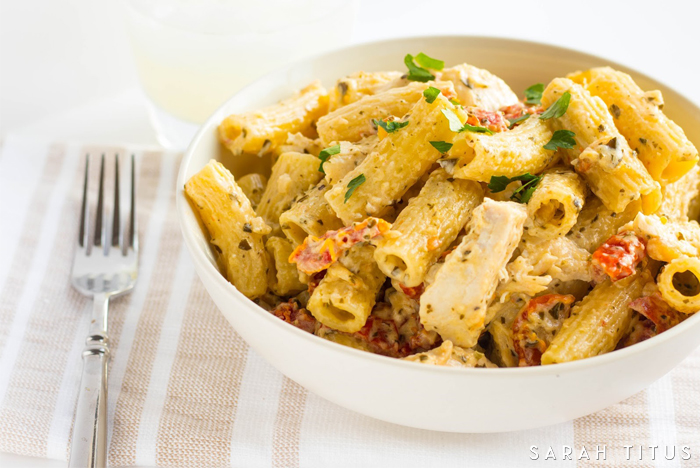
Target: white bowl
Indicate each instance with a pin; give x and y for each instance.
(436, 398)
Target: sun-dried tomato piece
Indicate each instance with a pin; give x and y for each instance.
(516, 111)
(318, 253)
(291, 313)
(618, 257)
(655, 316)
(493, 120)
(658, 311)
(536, 325)
(413, 292)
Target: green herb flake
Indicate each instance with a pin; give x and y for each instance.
(442, 146)
(352, 186)
(389, 127)
(416, 73)
(561, 139)
(455, 102)
(513, 122)
(429, 62)
(523, 193)
(455, 123)
(325, 154)
(533, 94)
(557, 109)
(431, 94)
(473, 128)
(457, 127)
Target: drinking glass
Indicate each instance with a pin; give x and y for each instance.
(191, 55)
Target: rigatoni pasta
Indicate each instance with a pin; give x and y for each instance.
(479, 156)
(235, 231)
(601, 154)
(345, 296)
(396, 163)
(660, 144)
(426, 227)
(598, 322)
(292, 175)
(554, 207)
(432, 216)
(263, 131)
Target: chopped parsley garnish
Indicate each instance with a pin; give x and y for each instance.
(353, 184)
(456, 124)
(557, 109)
(429, 62)
(474, 128)
(523, 193)
(442, 146)
(431, 94)
(389, 127)
(561, 139)
(416, 73)
(455, 102)
(325, 154)
(522, 118)
(533, 94)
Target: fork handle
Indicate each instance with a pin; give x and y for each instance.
(89, 442)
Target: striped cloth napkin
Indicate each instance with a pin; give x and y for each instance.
(185, 390)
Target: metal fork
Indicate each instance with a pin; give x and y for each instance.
(105, 266)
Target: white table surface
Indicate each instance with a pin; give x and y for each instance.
(66, 71)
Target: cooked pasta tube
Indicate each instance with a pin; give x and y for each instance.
(679, 284)
(426, 227)
(554, 207)
(309, 215)
(597, 323)
(478, 87)
(680, 196)
(261, 132)
(397, 162)
(283, 278)
(480, 156)
(234, 229)
(660, 144)
(601, 155)
(354, 87)
(596, 223)
(345, 296)
(354, 121)
(292, 175)
(349, 157)
(253, 186)
(454, 304)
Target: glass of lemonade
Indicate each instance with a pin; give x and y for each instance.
(191, 55)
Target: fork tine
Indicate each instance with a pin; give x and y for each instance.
(133, 228)
(83, 238)
(99, 221)
(116, 220)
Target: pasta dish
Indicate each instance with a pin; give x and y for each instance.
(433, 215)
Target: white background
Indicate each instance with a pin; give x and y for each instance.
(66, 70)
(57, 56)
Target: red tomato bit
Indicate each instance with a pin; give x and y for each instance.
(618, 257)
(318, 253)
